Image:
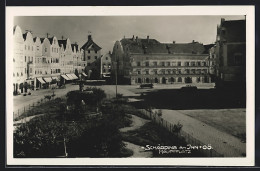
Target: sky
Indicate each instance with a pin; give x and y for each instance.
(106, 30)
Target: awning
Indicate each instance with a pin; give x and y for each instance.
(55, 78)
(47, 79)
(70, 76)
(84, 74)
(74, 76)
(41, 80)
(65, 77)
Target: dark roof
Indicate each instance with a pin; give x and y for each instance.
(42, 39)
(89, 43)
(24, 35)
(75, 46)
(34, 39)
(51, 40)
(235, 30)
(207, 47)
(62, 42)
(154, 46)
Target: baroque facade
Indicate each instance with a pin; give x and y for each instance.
(37, 62)
(137, 61)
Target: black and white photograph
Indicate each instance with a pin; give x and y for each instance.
(130, 85)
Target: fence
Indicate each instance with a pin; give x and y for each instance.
(26, 108)
(182, 134)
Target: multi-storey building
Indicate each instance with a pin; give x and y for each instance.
(19, 74)
(78, 63)
(66, 56)
(231, 53)
(55, 56)
(137, 60)
(29, 57)
(91, 54)
(37, 62)
(105, 65)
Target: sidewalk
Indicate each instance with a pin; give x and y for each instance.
(222, 142)
(19, 102)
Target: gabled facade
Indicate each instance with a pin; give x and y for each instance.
(19, 74)
(66, 56)
(91, 54)
(55, 56)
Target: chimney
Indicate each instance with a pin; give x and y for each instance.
(147, 39)
(109, 52)
(133, 37)
(47, 35)
(61, 37)
(173, 42)
(222, 20)
(193, 41)
(89, 37)
(136, 39)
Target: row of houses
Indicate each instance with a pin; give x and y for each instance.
(38, 62)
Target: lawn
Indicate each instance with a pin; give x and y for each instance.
(231, 121)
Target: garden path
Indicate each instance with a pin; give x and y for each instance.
(138, 151)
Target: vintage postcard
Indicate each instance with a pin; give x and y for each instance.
(153, 86)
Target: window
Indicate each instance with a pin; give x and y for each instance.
(13, 60)
(30, 70)
(88, 57)
(169, 71)
(179, 79)
(186, 63)
(187, 71)
(13, 74)
(198, 63)
(138, 64)
(163, 64)
(104, 70)
(88, 51)
(95, 51)
(24, 70)
(25, 47)
(179, 63)
(192, 63)
(139, 72)
(46, 50)
(106, 58)
(147, 72)
(25, 59)
(32, 59)
(147, 64)
(168, 63)
(155, 72)
(29, 59)
(95, 57)
(154, 63)
(28, 47)
(32, 48)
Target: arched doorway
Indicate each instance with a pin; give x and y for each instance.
(188, 80)
(179, 79)
(163, 80)
(172, 80)
(156, 80)
(147, 80)
(139, 80)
